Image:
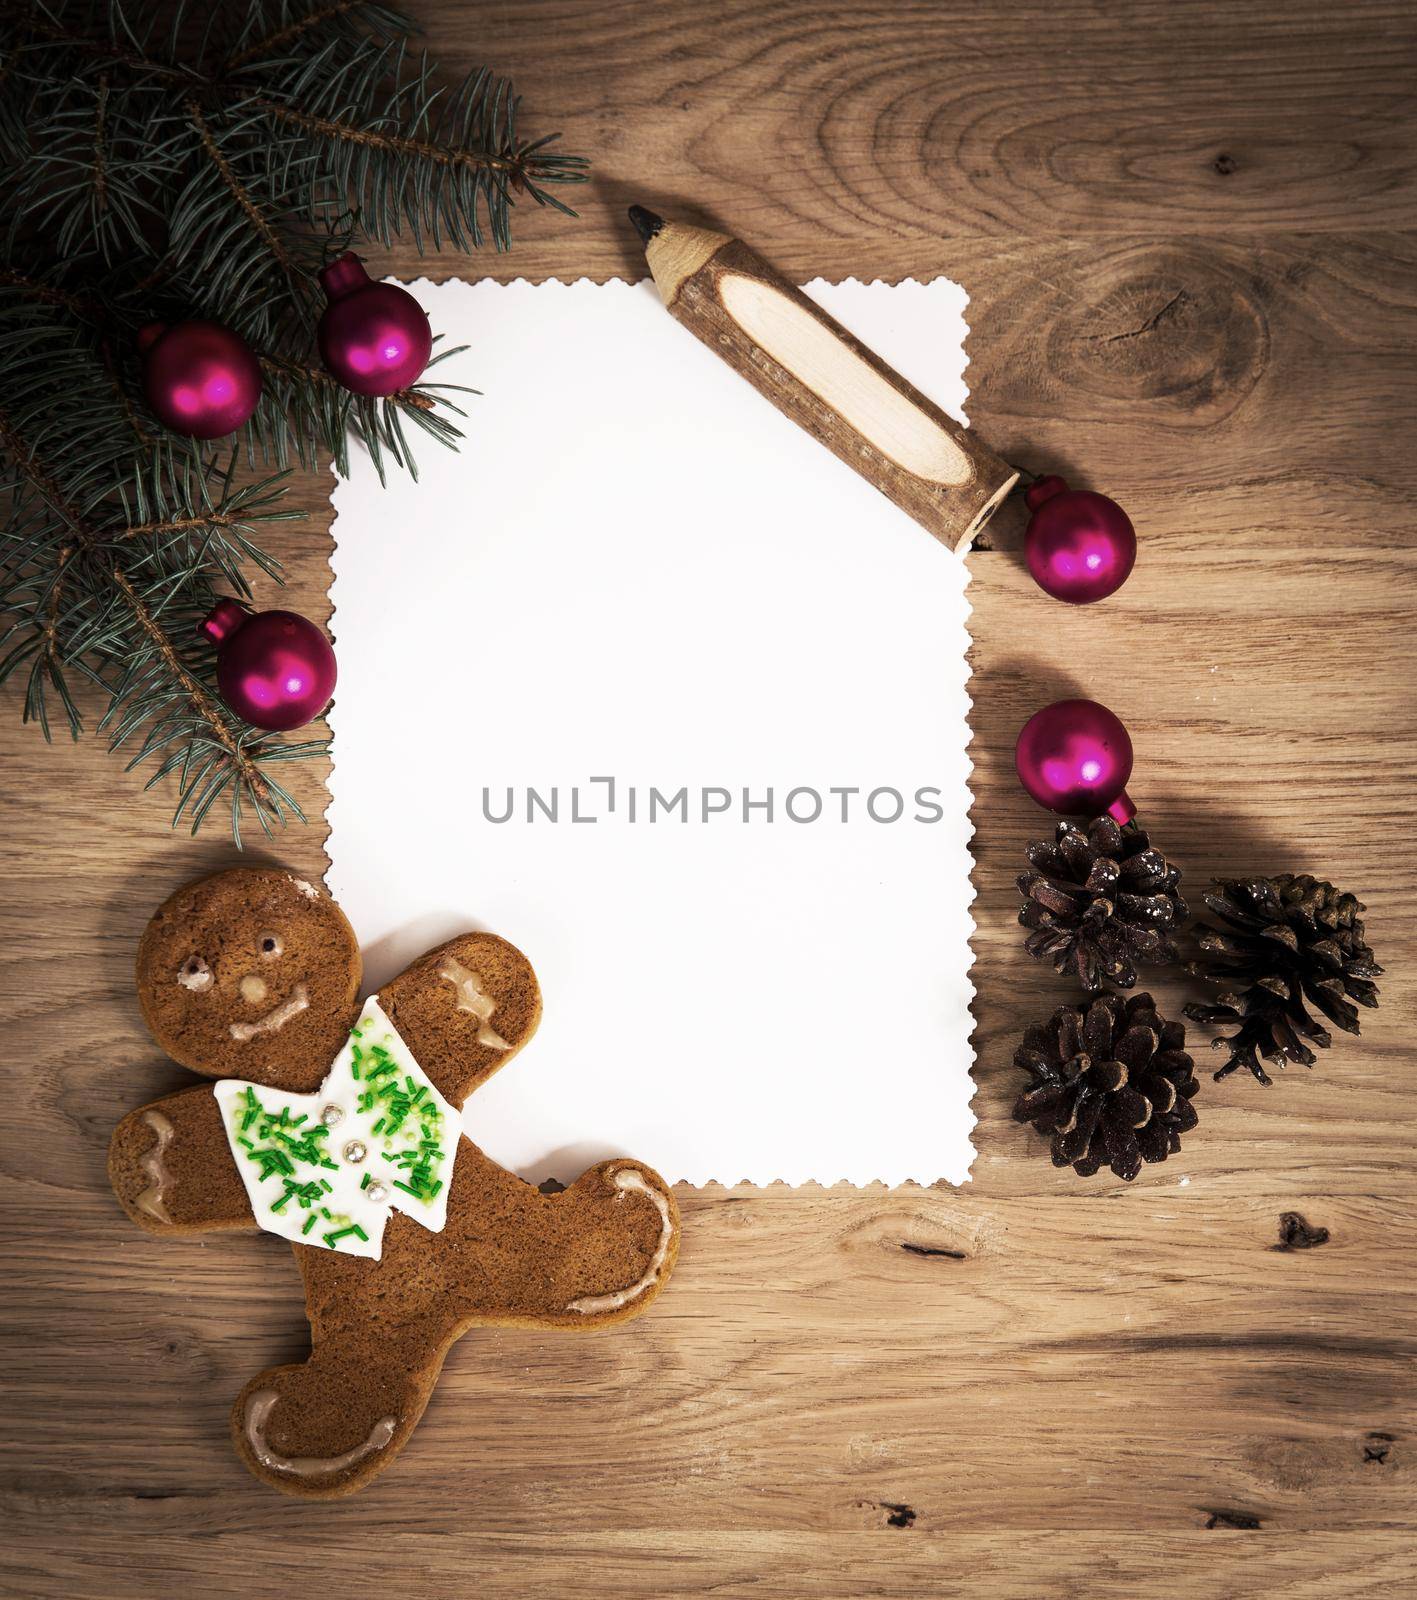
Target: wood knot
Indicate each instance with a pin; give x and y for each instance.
(179, 1347)
(1231, 1519)
(1297, 1234)
(898, 1515)
(1377, 1447)
(914, 1249)
(1175, 327)
(1224, 165)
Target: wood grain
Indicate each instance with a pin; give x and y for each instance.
(1187, 232)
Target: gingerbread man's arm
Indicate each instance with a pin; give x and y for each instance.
(464, 1009)
(170, 1166)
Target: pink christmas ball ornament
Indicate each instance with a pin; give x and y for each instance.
(275, 669)
(1080, 546)
(199, 378)
(1075, 757)
(375, 338)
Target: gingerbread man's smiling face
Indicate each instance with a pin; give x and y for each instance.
(250, 975)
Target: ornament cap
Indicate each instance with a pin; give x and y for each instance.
(148, 335)
(343, 276)
(225, 617)
(1042, 490)
(1122, 810)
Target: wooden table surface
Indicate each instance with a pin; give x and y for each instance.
(1187, 235)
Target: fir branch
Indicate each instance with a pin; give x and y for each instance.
(48, 294)
(262, 229)
(292, 31)
(415, 399)
(143, 439)
(202, 702)
(88, 539)
(398, 144)
(40, 21)
(168, 525)
(39, 475)
(158, 163)
(51, 618)
(100, 156)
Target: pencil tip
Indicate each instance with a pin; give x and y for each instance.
(647, 224)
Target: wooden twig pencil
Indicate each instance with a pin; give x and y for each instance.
(828, 382)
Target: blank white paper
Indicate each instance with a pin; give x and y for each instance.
(637, 589)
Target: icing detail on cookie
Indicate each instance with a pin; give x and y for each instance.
(474, 998)
(258, 1411)
(398, 1140)
(627, 1180)
(195, 975)
(307, 889)
(253, 989)
(151, 1200)
(273, 1021)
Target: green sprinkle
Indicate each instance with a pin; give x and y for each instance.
(272, 1160)
(309, 1223)
(334, 1238)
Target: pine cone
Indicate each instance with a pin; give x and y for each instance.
(1112, 1084)
(1284, 940)
(1100, 902)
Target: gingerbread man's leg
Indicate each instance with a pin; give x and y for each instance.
(326, 1426)
(595, 1253)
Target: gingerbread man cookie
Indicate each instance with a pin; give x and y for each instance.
(336, 1127)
